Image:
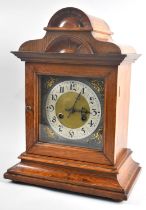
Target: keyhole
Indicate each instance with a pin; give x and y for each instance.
(60, 115)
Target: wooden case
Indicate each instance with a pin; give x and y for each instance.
(79, 45)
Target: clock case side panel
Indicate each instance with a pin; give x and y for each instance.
(71, 152)
(31, 111)
(122, 108)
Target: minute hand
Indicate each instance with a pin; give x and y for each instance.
(72, 108)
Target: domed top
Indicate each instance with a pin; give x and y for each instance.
(69, 34)
(71, 18)
(70, 22)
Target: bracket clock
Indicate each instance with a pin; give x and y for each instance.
(77, 97)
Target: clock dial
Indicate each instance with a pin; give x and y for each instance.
(73, 109)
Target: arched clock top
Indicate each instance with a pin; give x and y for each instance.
(74, 19)
(70, 18)
(67, 44)
(71, 31)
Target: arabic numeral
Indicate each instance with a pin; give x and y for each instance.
(61, 89)
(51, 108)
(60, 128)
(54, 119)
(91, 123)
(94, 112)
(91, 100)
(71, 133)
(83, 90)
(73, 86)
(54, 97)
(83, 130)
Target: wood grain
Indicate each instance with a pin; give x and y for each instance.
(78, 45)
(111, 183)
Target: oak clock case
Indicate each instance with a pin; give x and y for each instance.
(77, 98)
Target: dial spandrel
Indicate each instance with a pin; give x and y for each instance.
(71, 112)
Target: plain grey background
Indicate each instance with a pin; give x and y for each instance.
(22, 20)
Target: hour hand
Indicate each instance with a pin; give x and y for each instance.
(69, 109)
(82, 110)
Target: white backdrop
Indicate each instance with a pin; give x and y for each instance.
(21, 20)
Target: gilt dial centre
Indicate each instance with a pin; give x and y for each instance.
(74, 117)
